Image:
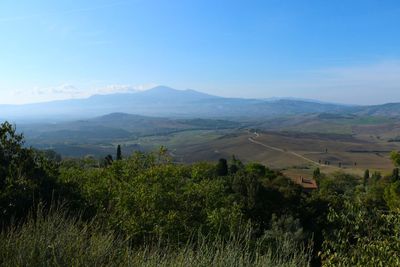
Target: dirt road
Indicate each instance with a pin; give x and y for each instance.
(252, 139)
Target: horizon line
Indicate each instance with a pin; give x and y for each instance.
(138, 91)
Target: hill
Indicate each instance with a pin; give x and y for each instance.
(386, 110)
(163, 101)
(97, 135)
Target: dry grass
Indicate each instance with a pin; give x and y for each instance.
(58, 240)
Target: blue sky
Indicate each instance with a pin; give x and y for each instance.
(340, 51)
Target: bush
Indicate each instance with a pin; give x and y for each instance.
(59, 240)
(27, 177)
(360, 236)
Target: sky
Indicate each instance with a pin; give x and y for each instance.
(344, 51)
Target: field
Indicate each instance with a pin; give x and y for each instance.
(295, 145)
(295, 153)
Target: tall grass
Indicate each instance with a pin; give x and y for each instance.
(59, 240)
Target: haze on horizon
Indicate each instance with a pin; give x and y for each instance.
(335, 51)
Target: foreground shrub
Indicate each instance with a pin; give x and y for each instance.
(28, 177)
(360, 236)
(59, 240)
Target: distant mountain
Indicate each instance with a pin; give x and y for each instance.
(159, 101)
(168, 102)
(157, 95)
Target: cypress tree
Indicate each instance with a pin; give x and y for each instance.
(366, 177)
(395, 174)
(119, 153)
(222, 167)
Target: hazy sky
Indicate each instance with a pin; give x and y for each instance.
(341, 50)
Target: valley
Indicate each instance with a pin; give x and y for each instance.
(295, 145)
(294, 136)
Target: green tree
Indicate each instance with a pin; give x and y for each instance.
(27, 177)
(338, 184)
(163, 156)
(257, 169)
(317, 173)
(358, 235)
(222, 167)
(235, 165)
(395, 174)
(392, 196)
(366, 177)
(376, 176)
(119, 152)
(395, 156)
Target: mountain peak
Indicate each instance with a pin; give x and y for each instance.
(161, 88)
(168, 93)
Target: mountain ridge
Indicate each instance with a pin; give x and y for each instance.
(169, 102)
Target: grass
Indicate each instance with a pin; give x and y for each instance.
(60, 240)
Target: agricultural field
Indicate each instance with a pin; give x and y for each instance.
(294, 153)
(295, 145)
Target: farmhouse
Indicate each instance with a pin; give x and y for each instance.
(308, 185)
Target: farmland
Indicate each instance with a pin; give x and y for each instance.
(295, 145)
(294, 152)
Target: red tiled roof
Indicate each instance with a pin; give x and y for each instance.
(306, 183)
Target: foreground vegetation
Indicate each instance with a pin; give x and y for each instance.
(56, 240)
(145, 210)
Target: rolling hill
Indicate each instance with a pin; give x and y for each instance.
(98, 136)
(115, 126)
(163, 101)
